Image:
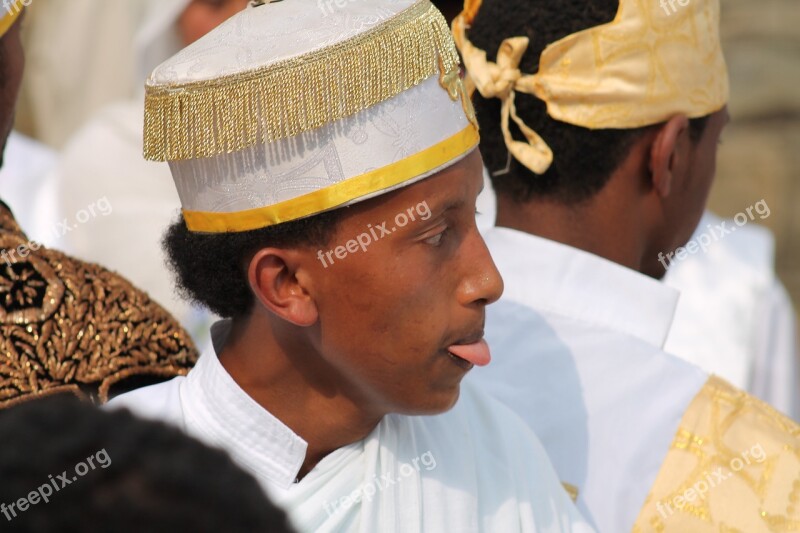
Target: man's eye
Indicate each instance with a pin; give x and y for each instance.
(436, 240)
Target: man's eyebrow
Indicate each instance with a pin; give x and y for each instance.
(448, 206)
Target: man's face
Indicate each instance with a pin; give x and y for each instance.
(389, 313)
(202, 16)
(12, 64)
(691, 192)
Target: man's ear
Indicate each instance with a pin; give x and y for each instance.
(272, 275)
(669, 155)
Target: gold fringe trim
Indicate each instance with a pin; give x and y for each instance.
(229, 114)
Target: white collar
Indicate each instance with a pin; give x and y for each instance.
(223, 413)
(566, 281)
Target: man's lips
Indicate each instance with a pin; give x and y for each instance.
(476, 353)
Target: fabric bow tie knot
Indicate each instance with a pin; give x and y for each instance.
(504, 75)
(502, 80)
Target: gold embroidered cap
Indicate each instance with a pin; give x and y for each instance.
(647, 65)
(10, 10)
(290, 109)
(76, 328)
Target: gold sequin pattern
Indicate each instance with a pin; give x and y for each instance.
(281, 100)
(74, 327)
(718, 451)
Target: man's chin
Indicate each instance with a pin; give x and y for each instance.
(434, 404)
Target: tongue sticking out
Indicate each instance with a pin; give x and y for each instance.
(477, 353)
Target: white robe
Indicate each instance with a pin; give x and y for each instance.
(27, 187)
(104, 159)
(577, 353)
(83, 55)
(474, 468)
(735, 318)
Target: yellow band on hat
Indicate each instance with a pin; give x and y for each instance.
(419, 164)
(12, 12)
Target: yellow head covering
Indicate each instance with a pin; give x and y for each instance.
(11, 10)
(645, 66)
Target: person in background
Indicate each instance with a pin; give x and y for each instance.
(25, 180)
(327, 163)
(600, 123)
(734, 317)
(70, 467)
(105, 158)
(69, 326)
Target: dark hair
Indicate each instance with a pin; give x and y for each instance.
(115, 472)
(449, 8)
(584, 159)
(211, 268)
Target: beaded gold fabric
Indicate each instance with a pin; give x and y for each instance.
(74, 327)
(734, 466)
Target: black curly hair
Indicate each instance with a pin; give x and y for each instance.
(449, 8)
(584, 159)
(115, 472)
(211, 268)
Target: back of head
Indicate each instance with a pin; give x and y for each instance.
(70, 467)
(584, 159)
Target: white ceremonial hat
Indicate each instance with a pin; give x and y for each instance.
(292, 108)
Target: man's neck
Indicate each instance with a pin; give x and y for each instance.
(589, 226)
(297, 387)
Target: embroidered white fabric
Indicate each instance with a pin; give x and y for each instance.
(271, 33)
(263, 175)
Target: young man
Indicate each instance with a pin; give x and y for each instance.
(326, 159)
(68, 326)
(600, 125)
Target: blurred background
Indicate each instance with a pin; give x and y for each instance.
(81, 100)
(760, 154)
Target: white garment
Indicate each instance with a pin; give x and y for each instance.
(577, 353)
(105, 159)
(27, 188)
(734, 317)
(157, 38)
(475, 468)
(79, 58)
